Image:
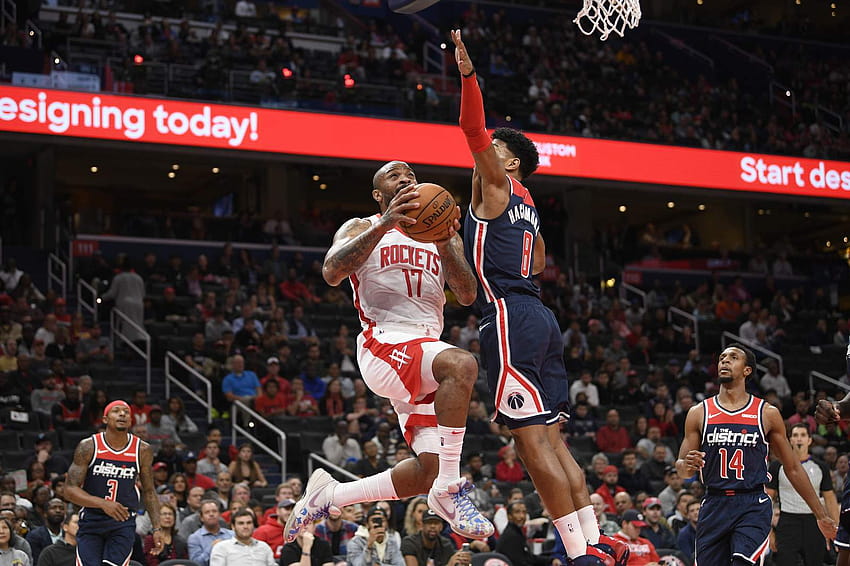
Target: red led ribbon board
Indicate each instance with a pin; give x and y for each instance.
(196, 124)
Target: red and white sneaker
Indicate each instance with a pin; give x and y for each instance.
(593, 557)
(618, 549)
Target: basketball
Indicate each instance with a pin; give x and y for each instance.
(436, 213)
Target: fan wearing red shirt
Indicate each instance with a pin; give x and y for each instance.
(140, 411)
(271, 532)
(273, 368)
(609, 488)
(272, 402)
(509, 469)
(60, 311)
(641, 550)
(295, 291)
(611, 437)
(194, 479)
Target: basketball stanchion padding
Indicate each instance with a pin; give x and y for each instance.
(410, 6)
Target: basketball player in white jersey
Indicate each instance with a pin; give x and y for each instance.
(398, 288)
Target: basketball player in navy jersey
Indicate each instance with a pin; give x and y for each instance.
(727, 438)
(520, 337)
(102, 480)
(829, 412)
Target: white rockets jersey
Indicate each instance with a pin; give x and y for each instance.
(401, 282)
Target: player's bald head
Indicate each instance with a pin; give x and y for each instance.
(386, 168)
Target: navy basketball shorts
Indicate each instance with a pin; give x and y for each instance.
(736, 526)
(523, 350)
(103, 541)
(842, 539)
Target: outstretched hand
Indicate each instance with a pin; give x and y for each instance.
(827, 412)
(464, 64)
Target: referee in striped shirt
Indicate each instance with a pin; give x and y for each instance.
(797, 533)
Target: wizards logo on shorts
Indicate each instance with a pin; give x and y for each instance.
(516, 401)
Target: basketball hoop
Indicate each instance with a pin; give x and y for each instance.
(606, 16)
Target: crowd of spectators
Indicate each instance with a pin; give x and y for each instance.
(530, 67)
(265, 331)
(536, 74)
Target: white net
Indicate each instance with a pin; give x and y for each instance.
(606, 16)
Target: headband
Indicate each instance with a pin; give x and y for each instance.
(114, 404)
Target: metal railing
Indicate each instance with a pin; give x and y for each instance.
(34, 32)
(626, 288)
(673, 312)
(8, 13)
(783, 95)
(172, 358)
(679, 44)
(756, 60)
(253, 419)
(830, 119)
(54, 263)
(433, 59)
(115, 332)
(327, 464)
(729, 337)
(823, 377)
(81, 299)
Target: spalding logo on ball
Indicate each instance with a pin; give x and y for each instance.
(410, 6)
(516, 401)
(436, 214)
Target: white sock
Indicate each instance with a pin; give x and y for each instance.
(589, 524)
(374, 488)
(451, 445)
(570, 530)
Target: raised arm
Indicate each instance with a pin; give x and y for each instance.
(74, 491)
(781, 448)
(356, 239)
(495, 190)
(691, 459)
(458, 274)
(149, 497)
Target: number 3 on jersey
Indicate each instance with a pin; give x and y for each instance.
(736, 463)
(527, 248)
(112, 486)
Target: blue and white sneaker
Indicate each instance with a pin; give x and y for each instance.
(313, 505)
(452, 503)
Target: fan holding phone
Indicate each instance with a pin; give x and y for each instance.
(371, 546)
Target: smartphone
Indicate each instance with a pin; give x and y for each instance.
(464, 547)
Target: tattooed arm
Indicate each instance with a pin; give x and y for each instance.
(352, 244)
(149, 498)
(74, 491)
(356, 239)
(456, 270)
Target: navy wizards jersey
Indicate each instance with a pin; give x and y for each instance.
(501, 250)
(112, 474)
(735, 446)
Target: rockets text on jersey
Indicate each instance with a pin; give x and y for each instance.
(401, 282)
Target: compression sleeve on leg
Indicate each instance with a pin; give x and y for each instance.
(472, 115)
